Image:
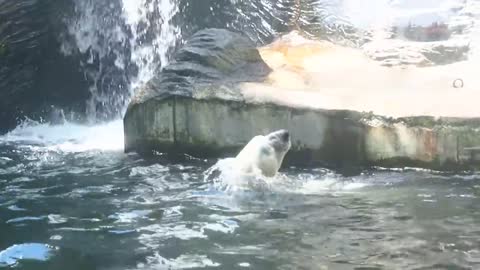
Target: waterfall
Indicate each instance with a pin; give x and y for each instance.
(118, 45)
(121, 44)
(151, 39)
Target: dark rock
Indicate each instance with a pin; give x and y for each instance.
(196, 106)
(434, 32)
(33, 73)
(212, 63)
(263, 20)
(210, 58)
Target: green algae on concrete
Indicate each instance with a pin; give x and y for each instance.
(214, 128)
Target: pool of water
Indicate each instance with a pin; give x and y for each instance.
(69, 203)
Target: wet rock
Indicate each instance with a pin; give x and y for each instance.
(437, 36)
(435, 31)
(211, 65)
(216, 128)
(211, 58)
(217, 95)
(33, 72)
(399, 53)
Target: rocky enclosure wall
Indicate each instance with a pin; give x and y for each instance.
(198, 105)
(216, 128)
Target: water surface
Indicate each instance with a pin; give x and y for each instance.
(78, 202)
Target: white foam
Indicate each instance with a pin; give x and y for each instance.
(130, 217)
(226, 227)
(329, 185)
(151, 234)
(231, 180)
(69, 137)
(184, 261)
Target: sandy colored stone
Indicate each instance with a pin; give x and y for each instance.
(319, 74)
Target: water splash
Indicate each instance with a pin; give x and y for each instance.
(182, 262)
(121, 43)
(100, 36)
(68, 137)
(226, 177)
(151, 39)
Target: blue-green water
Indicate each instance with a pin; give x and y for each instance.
(76, 201)
(71, 199)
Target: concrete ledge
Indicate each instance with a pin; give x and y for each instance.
(215, 127)
(343, 109)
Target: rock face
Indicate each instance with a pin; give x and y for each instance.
(215, 127)
(33, 73)
(218, 93)
(211, 58)
(211, 64)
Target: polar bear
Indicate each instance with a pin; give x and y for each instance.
(264, 154)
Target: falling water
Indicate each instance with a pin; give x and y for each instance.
(152, 39)
(122, 44)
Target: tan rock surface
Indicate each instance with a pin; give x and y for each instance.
(316, 74)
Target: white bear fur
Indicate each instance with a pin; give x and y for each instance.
(263, 154)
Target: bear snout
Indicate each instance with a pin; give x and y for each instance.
(285, 135)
